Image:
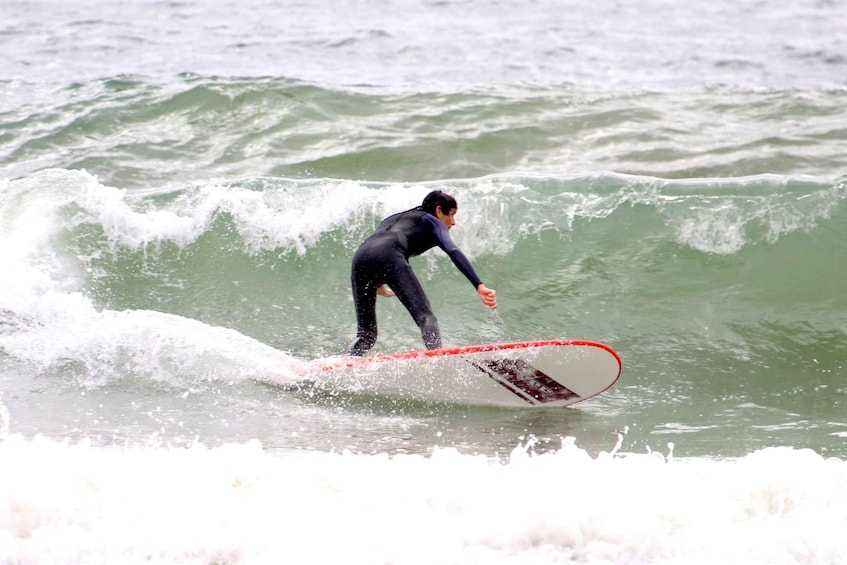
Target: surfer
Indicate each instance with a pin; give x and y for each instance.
(381, 266)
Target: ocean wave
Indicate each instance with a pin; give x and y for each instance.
(604, 242)
(136, 133)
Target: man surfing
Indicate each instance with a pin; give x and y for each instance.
(381, 266)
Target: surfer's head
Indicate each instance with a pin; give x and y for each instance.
(442, 206)
(438, 199)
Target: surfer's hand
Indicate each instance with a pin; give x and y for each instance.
(487, 295)
(384, 291)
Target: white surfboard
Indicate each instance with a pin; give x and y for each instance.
(525, 374)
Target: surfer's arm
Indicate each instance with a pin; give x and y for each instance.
(487, 295)
(445, 242)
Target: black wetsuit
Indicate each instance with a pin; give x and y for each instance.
(383, 258)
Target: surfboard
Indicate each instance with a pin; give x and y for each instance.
(549, 373)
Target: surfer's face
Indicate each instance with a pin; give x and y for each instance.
(448, 220)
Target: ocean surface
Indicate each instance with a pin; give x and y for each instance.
(183, 184)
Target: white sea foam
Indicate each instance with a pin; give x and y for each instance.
(56, 320)
(63, 502)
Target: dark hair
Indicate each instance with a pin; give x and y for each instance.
(438, 199)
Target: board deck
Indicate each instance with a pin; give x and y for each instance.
(524, 374)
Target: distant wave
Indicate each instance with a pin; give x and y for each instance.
(132, 132)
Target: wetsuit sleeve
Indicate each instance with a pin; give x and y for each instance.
(446, 243)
